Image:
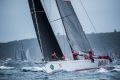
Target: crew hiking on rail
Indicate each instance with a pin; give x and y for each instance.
(89, 55)
(54, 57)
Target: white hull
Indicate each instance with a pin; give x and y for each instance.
(74, 65)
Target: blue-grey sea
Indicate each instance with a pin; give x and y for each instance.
(99, 74)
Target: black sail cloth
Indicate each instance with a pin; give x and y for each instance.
(47, 40)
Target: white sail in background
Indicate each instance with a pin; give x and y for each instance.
(27, 53)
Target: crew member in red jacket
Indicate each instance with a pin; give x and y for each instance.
(54, 56)
(75, 55)
(89, 55)
(63, 57)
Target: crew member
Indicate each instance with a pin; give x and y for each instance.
(109, 58)
(89, 55)
(105, 57)
(75, 55)
(63, 57)
(54, 56)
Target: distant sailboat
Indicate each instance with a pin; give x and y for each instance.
(23, 54)
(75, 36)
(28, 57)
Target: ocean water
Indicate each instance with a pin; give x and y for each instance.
(99, 74)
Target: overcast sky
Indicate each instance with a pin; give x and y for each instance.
(16, 22)
(104, 14)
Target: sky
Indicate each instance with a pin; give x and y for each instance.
(104, 15)
(16, 22)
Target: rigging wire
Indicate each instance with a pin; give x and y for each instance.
(87, 15)
(62, 17)
(100, 40)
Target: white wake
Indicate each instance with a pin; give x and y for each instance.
(32, 69)
(117, 68)
(6, 68)
(102, 70)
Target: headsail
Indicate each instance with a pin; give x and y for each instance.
(45, 35)
(53, 16)
(74, 31)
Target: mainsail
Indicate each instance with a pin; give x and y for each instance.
(45, 35)
(73, 28)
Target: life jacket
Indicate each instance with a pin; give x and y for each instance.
(89, 55)
(75, 54)
(105, 57)
(63, 57)
(53, 56)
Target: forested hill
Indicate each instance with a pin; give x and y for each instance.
(102, 43)
(15, 48)
(106, 43)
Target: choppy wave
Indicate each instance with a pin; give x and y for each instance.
(102, 70)
(6, 68)
(34, 73)
(117, 68)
